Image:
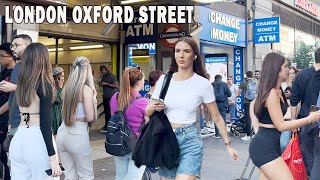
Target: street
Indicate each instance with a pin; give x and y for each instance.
(217, 164)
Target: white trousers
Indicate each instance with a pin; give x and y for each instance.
(75, 152)
(28, 155)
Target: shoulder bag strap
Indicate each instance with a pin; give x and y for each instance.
(165, 85)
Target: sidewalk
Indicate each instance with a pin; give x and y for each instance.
(217, 164)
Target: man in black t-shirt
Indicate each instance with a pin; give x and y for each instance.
(110, 86)
(6, 60)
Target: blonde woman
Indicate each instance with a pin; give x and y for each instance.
(78, 109)
(31, 150)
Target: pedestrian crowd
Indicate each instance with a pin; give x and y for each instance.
(45, 120)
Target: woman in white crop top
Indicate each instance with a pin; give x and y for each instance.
(189, 87)
(78, 109)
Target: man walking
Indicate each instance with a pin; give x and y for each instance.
(110, 85)
(305, 89)
(222, 92)
(249, 89)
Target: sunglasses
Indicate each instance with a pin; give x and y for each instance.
(229, 79)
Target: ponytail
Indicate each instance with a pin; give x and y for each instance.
(125, 91)
(129, 79)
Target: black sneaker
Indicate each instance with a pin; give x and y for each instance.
(104, 130)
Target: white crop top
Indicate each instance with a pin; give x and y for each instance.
(184, 97)
(80, 111)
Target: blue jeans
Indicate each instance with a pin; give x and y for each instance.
(285, 139)
(223, 112)
(232, 111)
(191, 151)
(126, 169)
(201, 120)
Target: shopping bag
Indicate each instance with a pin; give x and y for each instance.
(293, 157)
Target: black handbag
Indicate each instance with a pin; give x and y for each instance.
(157, 145)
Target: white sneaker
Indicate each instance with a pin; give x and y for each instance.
(204, 131)
(211, 130)
(210, 126)
(246, 138)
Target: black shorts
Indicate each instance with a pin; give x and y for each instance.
(265, 146)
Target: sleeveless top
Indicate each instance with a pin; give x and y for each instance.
(266, 119)
(80, 111)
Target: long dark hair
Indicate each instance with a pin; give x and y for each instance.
(271, 68)
(35, 70)
(197, 64)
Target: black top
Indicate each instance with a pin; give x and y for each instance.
(265, 117)
(305, 89)
(45, 119)
(4, 97)
(299, 91)
(108, 91)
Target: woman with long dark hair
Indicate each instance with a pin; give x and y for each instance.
(31, 150)
(270, 107)
(189, 87)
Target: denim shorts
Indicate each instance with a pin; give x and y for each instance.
(190, 158)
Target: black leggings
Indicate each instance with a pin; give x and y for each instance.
(265, 146)
(107, 111)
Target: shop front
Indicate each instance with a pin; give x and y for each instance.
(222, 43)
(299, 34)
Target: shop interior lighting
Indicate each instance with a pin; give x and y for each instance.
(212, 1)
(132, 1)
(133, 57)
(54, 49)
(87, 47)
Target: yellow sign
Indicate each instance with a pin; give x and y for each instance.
(140, 59)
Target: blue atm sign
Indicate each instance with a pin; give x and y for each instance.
(266, 30)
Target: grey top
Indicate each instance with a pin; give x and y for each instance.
(108, 91)
(14, 112)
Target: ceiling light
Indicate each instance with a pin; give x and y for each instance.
(87, 47)
(132, 1)
(54, 49)
(211, 1)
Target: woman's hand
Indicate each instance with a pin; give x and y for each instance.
(157, 104)
(56, 170)
(233, 153)
(314, 116)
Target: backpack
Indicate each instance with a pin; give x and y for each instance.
(120, 140)
(219, 92)
(251, 91)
